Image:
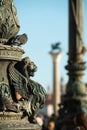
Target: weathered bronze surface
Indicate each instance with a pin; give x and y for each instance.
(73, 109)
(20, 97)
(9, 25)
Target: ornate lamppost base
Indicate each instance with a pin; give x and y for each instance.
(11, 120)
(20, 97)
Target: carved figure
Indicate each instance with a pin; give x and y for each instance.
(17, 40)
(56, 46)
(29, 95)
(6, 102)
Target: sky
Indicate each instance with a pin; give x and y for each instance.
(46, 22)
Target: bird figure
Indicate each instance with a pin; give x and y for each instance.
(18, 40)
(55, 46)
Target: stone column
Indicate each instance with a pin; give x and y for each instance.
(56, 80)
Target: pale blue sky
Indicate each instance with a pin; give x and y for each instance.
(46, 22)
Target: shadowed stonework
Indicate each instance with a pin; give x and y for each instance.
(20, 97)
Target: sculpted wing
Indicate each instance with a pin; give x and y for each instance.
(18, 81)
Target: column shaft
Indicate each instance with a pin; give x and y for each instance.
(56, 81)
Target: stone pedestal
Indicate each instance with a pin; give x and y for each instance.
(8, 54)
(13, 121)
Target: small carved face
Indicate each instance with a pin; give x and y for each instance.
(31, 68)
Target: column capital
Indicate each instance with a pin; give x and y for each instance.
(56, 56)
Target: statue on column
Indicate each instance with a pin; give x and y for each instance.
(18, 93)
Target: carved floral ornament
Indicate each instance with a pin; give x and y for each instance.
(9, 25)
